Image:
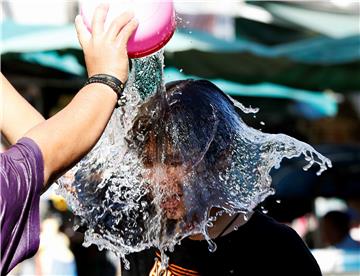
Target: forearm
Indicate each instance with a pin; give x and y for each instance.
(18, 116)
(67, 136)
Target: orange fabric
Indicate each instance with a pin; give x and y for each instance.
(172, 270)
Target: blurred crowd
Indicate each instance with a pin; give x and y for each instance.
(331, 231)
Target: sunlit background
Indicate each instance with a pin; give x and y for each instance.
(298, 61)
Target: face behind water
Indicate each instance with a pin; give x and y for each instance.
(168, 182)
(184, 140)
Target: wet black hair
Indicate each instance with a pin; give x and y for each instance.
(191, 122)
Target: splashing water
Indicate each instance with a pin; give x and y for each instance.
(156, 172)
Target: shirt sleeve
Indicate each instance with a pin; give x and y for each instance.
(22, 177)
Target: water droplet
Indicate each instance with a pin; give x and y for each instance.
(126, 263)
(308, 166)
(212, 246)
(278, 201)
(262, 123)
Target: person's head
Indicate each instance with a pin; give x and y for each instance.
(183, 134)
(335, 227)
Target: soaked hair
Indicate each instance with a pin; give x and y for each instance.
(191, 123)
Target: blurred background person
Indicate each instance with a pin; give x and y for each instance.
(335, 229)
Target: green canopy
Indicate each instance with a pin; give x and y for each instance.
(298, 71)
(314, 64)
(321, 102)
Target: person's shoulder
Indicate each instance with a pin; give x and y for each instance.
(268, 225)
(272, 232)
(22, 148)
(29, 145)
(23, 164)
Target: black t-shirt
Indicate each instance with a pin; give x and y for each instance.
(260, 247)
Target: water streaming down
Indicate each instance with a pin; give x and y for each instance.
(157, 170)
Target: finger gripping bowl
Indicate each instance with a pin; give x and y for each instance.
(156, 22)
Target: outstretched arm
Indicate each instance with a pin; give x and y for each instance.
(67, 136)
(18, 116)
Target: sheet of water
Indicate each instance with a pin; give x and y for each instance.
(120, 201)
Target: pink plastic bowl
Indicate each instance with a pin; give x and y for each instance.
(156, 22)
